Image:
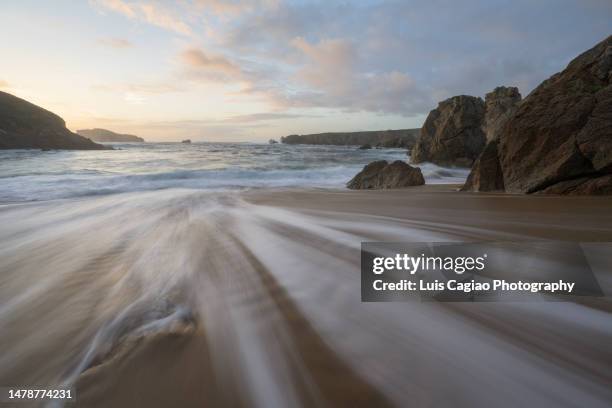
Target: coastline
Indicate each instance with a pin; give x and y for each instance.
(306, 204)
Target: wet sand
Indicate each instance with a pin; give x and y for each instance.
(183, 298)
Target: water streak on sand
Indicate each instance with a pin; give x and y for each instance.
(247, 299)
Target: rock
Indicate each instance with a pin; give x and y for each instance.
(500, 104)
(452, 133)
(24, 125)
(486, 174)
(107, 136)
(186, 141)
(582, 186)
(562, 132)
(365, 147)
(272, 141)
(382, 175)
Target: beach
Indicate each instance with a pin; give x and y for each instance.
(287, 204)
(252, 298)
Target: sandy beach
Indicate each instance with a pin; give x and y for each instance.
(298, 204)
(252, 299)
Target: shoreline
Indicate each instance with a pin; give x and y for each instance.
(269, 282)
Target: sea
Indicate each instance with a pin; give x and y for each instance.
(34, 175)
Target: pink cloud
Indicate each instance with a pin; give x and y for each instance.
(150, 12)
(235, 7)
(200, 63)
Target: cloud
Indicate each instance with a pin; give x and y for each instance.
(329, 73)
(133, 98)
(403, 57)
(150, 12)
(3, 84)
(115, 42)
(329, 64)
(234, 7)
(265, 116)
(151, 87)
(118, 6)
(383, 57)
(158, 16)
(206, 66)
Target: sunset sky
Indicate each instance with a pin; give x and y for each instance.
(250, 70)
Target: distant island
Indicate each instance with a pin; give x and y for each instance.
(24, 125)
(104, 135)
(405, 138)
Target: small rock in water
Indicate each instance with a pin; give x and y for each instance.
(382, 175)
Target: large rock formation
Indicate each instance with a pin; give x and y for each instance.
(26, 126)
(559, 140)
(486, 174)
(104, 135)
(404, 138)
(382, 175)
(452, 133)
(499, 106)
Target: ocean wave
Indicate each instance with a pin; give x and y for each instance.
(35, 176)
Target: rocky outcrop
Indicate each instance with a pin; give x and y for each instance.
(24, 125)
(582, 186)
(559, 140)
(499, 106)
(366, 146)
(404, 138)
(452, 133)
(106, 136)
(486, 174)
(383, 175)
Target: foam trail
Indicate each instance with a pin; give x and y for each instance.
(271, 295)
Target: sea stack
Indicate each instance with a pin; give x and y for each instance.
(452, 134)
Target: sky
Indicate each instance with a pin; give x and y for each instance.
(231, 70)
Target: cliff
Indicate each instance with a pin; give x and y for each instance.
(24, 125)
(382, 138)
(104, 135)
(559, 138)
(452, 133)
